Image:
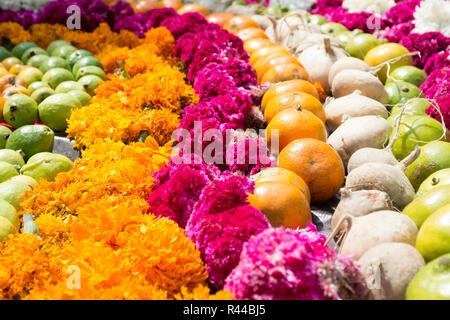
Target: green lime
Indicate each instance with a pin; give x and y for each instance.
(37, 61)
(52, 63)
(4, 53)
(31, 139)
(5, 132)
(360, 44)
(9, 212)
(412, 107)
(90, 83)
(433, 157)
(31, 52)
(55, 44)
(55, 76)
(46, 165)
(41, 94)
(7, 171)
(82, 96)
(424, 205)
(6, 228)
(84, 62)
(432, 282)
(66, 86)
(435, 180)
(12, 191)
(55, 110)
(27, 179)
(77, 55)
(63, 51)
(409, 74)
(36, 85)
(12, 157)
(433, 239)
(20, 110)
(20, 49)
(30, 75)
(416, 130)
(401, 91)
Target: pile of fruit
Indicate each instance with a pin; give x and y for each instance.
(314, 113)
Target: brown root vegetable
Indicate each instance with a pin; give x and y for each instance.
(388, 268)
(385, 177)
(347, 81)
(352, 106)
(378, 227)
(346, 64)
(318, 58)
(360, 132)
(360, 203)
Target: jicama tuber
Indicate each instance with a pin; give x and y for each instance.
(385, 177)
(388, 268)
(360, 132)
(366, 232)
(347, 81)
(351, 106)
(346, 64)
(357, 203)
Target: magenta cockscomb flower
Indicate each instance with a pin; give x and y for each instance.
(427, 44)
(437, 61)
(248, 157)
(221, 223)
(437, 87)
(402, 12)
(397, 32)
(181, 24)
(285, 264)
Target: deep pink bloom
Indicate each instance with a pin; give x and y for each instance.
(285, 264)
(438, 60)
(221, 223)
(427, 44)
(397, 32)
(437, 87)
(181, 24)
(402, 12)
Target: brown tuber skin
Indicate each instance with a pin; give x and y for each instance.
(360, 203)
(360, 132)
(352, 106)
(347, 81)
(388, 268)
(387, 178)
(346, 64)
(373, 229)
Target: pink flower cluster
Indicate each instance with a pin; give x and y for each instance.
(437, 87)
(284, 264)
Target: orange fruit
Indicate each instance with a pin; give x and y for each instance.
(239, 23)
(292, 124)
(251, 33)
(17, 68)
(288, 86)
(10, 80)
(292, 100)
(220, 18)
(317, 163)
(175, 4)
(261, 66)
(145, 5)
(283, 72)
(12, 90)
(193, 7)
(257, 43)
(283, 204)
(284, 176)
(265, 51)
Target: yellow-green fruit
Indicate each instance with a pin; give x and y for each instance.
(9, 212)
(27, 179)
(433, 239)
(424, 205)
(46, 165)
(12, 157)
(6, 228)
(31, 139)
(41, 94)
(386, 52)
(56, 76)
(82, 96)
(432, 282)
(437, 179)
(37, 85)
(13, 191)
(20, 110)
(5, 132)
(55, 110)
(7, 171)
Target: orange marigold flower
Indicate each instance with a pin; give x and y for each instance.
(14, 32)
